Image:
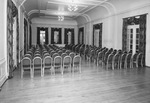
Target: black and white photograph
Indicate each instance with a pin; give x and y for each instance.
(75, 51)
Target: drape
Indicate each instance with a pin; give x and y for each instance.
(66, 36)
(38, 35)
(53, 30)
(66, 30)
(81, 35)
(46, 36)
(142, 44)
(12, 11)
(25, 36)
(98, 27)
(72, 36)
(124, 34)
(30, 37)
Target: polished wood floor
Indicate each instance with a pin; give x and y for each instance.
(93, 85)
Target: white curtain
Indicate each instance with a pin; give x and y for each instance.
(56, 33)
(96, 37)
(69, 37)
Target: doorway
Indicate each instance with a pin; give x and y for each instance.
(133, 38)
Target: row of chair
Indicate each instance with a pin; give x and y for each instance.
(50, 60)
(117, 59)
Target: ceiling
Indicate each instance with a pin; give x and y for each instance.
(53, 8)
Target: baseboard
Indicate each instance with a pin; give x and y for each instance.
(2, 81)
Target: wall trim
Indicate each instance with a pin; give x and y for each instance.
(2, 81)
(119, 13)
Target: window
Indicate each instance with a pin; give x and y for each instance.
(42, 37)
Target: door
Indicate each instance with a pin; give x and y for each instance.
(133, 38)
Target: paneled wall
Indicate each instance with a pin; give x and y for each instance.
(3, 47)
(3, 71)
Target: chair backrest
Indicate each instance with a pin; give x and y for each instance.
(28, 55)
(110, 58)
(67, 52)
(67, 60)
(100, 55)
(63, 55)
(92, 53)
(116, 57)
(54, 55)
(60, 52)
(48, 61)
(46, 54)
(128, 57)
(135, 57)
(140, 60)
(26, 63)
(58, 61)
(52, 52)
(37, 55)
(77, 60)
(37, 63)
(123, 57)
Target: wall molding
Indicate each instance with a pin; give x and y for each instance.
(3, 76)
(116, 14)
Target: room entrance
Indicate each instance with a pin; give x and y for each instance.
(133, 38)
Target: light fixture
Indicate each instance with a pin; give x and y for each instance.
(72, 6)
(60, 18)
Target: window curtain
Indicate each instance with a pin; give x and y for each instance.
(53, 30)
(52, 35)
(46, 35)
(81, 38)
(142, 44)
(30, 37)
(124, 34)
(38, 35)
(66, 35)
(25, 36)
(72, 36)
(11, 12)
(99, 27)
(17, 39)
(59, 38)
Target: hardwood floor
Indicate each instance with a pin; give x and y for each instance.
(93, 85)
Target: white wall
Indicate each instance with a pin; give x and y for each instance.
(112, 22)
(38, 22)
(3, 39)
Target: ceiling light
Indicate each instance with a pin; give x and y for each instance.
(60, 18)
(72, 6)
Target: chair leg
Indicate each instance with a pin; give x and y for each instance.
(22, 72)
(80, 68)
(62, 70)
(43, 71)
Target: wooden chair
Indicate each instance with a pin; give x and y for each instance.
(109, 63)
(140, 60)
(135, 60)
(77, 63)
(37, 64)
(47, 63)
(26, 65)
(116, 60)
(128, 61)
(67, 62)
(58, 63)
(122, 60)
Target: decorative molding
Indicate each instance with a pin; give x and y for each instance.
(119, 13)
